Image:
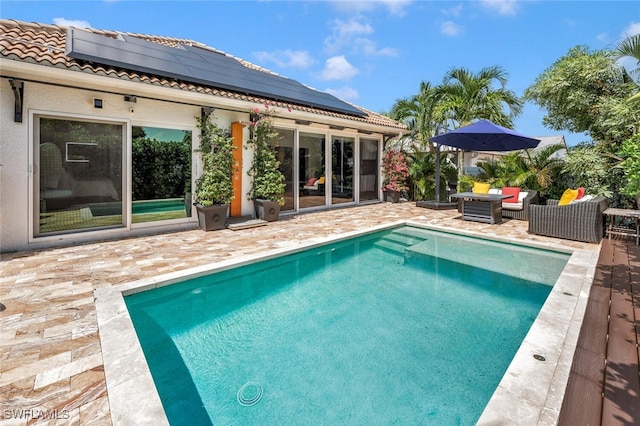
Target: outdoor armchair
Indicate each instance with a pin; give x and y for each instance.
(580, 221)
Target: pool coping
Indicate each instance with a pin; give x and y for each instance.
(133, 397)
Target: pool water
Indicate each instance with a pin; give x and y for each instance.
(157, 206)
(372, 330)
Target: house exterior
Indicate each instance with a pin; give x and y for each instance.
(99, 134)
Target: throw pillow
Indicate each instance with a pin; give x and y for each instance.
(321, 180)
(567, 197)
(311, 181)
(481, 188)
(511, 190)
(580, 193)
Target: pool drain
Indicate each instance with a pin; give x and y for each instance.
(249, 394)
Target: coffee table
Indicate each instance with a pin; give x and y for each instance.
(486, 208)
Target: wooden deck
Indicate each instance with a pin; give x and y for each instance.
(604, 384)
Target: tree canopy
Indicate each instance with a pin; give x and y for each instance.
(586, 91)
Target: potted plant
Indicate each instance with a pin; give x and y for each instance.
(267, 184)
(396, 173)
(214, 188)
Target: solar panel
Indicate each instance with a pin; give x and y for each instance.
(197, 65)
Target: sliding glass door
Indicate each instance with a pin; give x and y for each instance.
(369, 170)
(342, 160)
(161, 174)
(313, 179)
(78, 178)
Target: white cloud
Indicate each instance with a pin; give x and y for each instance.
(369, 47)
(338, 68)
(631, 30)
(503, 7)
(343, 32)
(603, 37)
(299, 59)
(450, 28)
(71, 23)
(345, 93)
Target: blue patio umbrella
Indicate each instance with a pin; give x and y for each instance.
(483, 135)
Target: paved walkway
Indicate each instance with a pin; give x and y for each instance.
(50, 356)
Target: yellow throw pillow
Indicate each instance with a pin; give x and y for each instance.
(567, 197)
(481, 188)
(321, 180)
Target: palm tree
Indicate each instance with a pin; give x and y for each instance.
(418, 112)
(542, 166)
(530, 168)
(630, 47)
(466, 96)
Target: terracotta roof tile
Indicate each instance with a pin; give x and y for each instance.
(45, 45)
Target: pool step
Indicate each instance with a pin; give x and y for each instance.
(390, 246)
(417, 233)
(404, 239)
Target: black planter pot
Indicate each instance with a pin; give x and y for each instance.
(393, 196)
(212, 218)
(267, 210)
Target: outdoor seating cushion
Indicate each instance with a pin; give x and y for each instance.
(583, 199)
(514, 191)
(568, 196)
(516, 203)
(481, 188)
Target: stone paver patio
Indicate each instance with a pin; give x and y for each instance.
(51, 360)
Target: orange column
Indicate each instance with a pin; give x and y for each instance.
(236, 204)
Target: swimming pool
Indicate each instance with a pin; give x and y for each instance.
(352, 339)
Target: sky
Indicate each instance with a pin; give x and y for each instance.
(370, 53)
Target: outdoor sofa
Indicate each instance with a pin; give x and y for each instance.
(579, 221)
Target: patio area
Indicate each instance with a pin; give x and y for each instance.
(50, 353)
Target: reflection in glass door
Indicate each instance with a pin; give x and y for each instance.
(342, 155)
(311, 158)
(78, 176)
(161, 174)
(369, 170)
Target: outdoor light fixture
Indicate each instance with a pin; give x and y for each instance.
(18, 93)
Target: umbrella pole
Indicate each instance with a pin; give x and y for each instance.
(438, 174)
